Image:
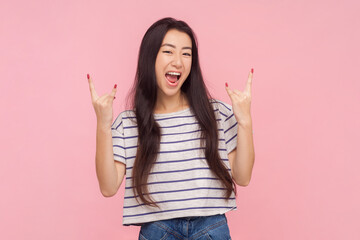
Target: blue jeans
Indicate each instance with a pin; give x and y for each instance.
(190, 228)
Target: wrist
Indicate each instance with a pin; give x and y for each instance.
(245, 127)
(245, 122)
(103, 127)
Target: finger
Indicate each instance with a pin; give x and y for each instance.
(249, 82)
(93, 93)
(104, 98)
(113, 92)
(228, 90)
(238, 92)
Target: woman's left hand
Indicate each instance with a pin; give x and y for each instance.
(241, 102)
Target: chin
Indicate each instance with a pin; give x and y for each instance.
(169, 92)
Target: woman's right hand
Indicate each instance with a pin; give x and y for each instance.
(102, 105)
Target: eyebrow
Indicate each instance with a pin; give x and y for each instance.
(173, 46)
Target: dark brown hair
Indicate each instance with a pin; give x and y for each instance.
(144, 95)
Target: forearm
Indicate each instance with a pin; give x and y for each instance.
(105, 165)
(245, 155)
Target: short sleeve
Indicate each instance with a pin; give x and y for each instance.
(229, 125)
(118, 139)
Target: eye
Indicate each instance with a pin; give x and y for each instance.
(187, 54)
(166, 51)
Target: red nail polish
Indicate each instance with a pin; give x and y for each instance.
(114, 97)
(226, 84)
(88, 76)
(115, 86)
(252, 70)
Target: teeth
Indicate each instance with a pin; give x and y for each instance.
(173, 73)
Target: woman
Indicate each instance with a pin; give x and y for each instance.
(177, 145)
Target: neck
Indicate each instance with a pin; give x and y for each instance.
(168, 104)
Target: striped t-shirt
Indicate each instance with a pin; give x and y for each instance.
(180, 182)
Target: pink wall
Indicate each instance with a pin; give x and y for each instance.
(305, 110)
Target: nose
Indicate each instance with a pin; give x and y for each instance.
(177, 61)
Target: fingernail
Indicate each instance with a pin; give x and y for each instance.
(114, 97)
(88, 76)
(226, 84)
(115, 86)
(252, 70)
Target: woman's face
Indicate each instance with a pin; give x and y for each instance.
(174, 56)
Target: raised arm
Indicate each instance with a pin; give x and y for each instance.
(110, 174)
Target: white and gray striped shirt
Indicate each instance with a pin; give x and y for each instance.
(180, 181)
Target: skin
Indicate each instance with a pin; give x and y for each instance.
(242, 161)
(110, 173)
(170, 98)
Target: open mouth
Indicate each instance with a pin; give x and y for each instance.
(173, 77)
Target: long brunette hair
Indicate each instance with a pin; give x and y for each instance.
(144, 95)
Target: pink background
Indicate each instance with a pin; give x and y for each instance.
(305, 109)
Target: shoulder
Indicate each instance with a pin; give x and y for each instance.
(224, 108)
(122, 118)
(128, 114)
